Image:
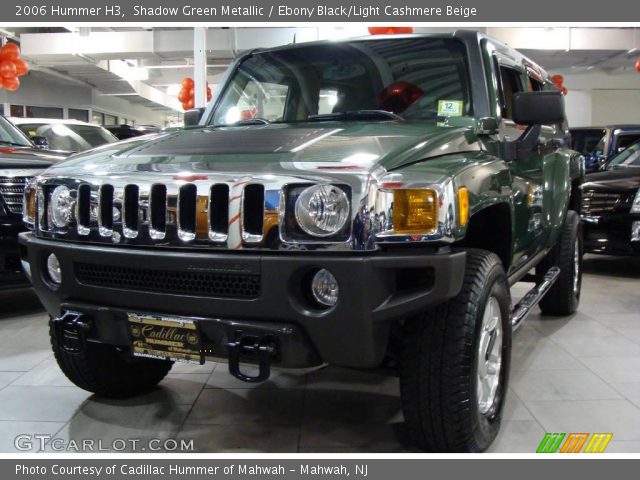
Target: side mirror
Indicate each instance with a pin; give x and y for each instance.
(40, 142)
(538, 108)
(192, 117)
(532, 109)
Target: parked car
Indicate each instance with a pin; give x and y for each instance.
(69, 136)
(599, 144)
(611, 206)
(20, 161)
(123, 132)
(358, 203)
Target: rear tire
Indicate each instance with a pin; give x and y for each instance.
(564, 296)
(107, 371)
(447, 353)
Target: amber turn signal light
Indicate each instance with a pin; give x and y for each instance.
(415, 211)
(29, 207)
(463, 206)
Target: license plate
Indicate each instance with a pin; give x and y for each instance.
(166, 338)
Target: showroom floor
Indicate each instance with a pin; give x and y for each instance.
(579, 374)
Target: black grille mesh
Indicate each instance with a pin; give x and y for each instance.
(207, 284)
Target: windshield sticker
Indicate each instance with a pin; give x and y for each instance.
(450, 108)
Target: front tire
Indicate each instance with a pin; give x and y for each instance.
(107, 371)
(455, 362)
(563, 297)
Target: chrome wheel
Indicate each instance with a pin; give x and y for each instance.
(489, 356)
(576, 268)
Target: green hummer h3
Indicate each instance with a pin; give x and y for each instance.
(361, 203)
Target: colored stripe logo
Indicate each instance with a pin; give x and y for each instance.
(574, 442)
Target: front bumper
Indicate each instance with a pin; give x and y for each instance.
(375, 290)
(610, 234)
(11, 275)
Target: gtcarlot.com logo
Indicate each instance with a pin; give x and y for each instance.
(574, 443)
(38, 442)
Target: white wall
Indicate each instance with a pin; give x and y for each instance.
(615, 106)
(579, 108)
(43, 90)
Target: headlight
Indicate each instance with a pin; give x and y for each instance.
(29, 204)
(415, 211)
(635, 206)
(61, 206)
(322, 210)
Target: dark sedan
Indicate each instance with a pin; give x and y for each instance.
(611, 206)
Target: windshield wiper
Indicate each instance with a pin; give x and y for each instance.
(356, 115)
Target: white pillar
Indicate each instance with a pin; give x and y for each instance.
(200, 66)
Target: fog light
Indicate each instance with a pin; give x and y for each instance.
(324, 288)
(53, 269)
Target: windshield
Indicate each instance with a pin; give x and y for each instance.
(69, 137)
(586, 141)
(416, 78)
(10, 135)
(628, 158)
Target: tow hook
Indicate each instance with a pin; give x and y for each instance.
(70, 331)
(258, 348)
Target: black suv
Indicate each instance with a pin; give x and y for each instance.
(20, 160)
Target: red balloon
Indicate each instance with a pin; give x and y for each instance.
(208, 96)
(7, 69)
(187, 83)
(10, 51)
(190, 104)
(209, 89)
(183, 95)
(564, 90)
(557, 79)
(191, 93)
(11, 84)
(185, 106)
(638, 65)
(22, 67)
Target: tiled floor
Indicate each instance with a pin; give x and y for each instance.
(578, 374)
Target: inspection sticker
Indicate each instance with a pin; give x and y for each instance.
(450, 108)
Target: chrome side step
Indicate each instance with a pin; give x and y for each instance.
(532, 297)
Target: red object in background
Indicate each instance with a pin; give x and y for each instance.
(186, 94)
(389, 30)
(638, 65)
(558, 80)
(11, 67)
(248, 114)
(399, 96)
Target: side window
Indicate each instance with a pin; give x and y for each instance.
(535, 85)
(511, 83)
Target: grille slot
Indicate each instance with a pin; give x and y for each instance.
(83, 209)
(253, 213)
(219, 212)
(187, 203)
(598, 203)
(209, 284)
(105, 211)
(130, 211)
(12, 191)
(158, 211)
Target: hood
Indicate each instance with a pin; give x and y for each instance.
(327, 146)
(623, 178)
(27, 157)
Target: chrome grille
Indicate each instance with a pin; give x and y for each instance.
(169, 214)
(11, 192)
(599, 203)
